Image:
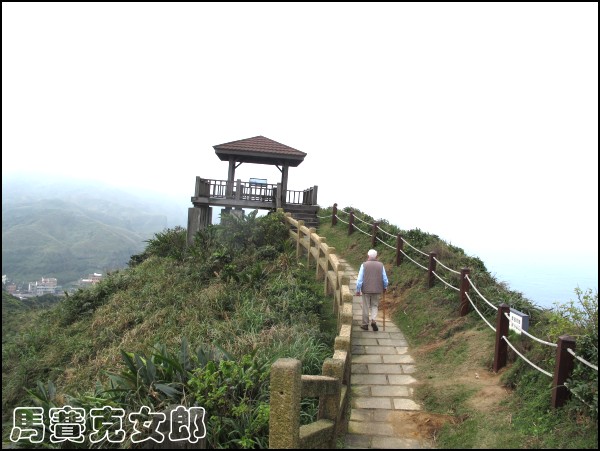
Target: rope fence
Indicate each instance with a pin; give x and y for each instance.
(414, 248)
(445, 283)
(360, 230)
(445, 267)
(479, 313)
(585, 362)
(524, 358)
(384, 243)
(565, 346)
(479, 293)
(388, 233)
(361, 220)
(416, 263)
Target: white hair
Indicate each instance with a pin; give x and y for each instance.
(372, 253)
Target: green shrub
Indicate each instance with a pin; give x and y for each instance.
(580, 320)
(235, 395)
(170, 243)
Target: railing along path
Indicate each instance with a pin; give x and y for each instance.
(565, 347)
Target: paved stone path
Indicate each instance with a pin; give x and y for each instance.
(381, 383)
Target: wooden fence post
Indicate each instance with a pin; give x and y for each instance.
(284, 418)
(334, 215)
(465, 305)
(431, 269)
(502, 321)
(351, 223)
(374, 235)
(562, 370)
(399, 249)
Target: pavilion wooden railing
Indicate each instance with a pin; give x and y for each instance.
(264, 192)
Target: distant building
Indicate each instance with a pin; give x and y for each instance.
(49, 282)
(46, 285)
(91, 279)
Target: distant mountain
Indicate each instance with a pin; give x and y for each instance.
(68, 229)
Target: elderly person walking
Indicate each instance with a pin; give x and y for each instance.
(372, 281)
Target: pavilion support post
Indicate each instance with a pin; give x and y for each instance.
(284, 181)
(198, 218)
(278, 197)
(230, 176)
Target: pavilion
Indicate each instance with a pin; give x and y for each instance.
(235, 195)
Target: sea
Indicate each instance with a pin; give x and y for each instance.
(546, 284)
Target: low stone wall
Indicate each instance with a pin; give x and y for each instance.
(289, 385)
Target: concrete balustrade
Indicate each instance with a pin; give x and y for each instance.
(288, 385)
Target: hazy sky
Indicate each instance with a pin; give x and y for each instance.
(476, 122)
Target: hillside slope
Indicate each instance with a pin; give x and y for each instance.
(466, 405)
(67, 229)
(212, 318)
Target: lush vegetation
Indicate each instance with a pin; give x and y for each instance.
(182, 326)
(452, 351)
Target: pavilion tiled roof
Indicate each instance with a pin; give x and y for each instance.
(259, 148)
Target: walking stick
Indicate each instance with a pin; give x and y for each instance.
(384, 310)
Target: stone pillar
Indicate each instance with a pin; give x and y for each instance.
(329, 405)
(198, 218)
(284, 418)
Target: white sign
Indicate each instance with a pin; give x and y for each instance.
(518, 321)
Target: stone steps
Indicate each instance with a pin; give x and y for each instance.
(381, 383)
